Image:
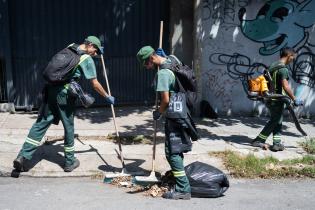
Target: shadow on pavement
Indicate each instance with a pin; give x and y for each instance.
(243, 140)
(239, 139)
(129, 114)
(134, 166)
(104, 114)
(50, 152)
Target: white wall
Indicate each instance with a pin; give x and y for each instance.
(220, 36)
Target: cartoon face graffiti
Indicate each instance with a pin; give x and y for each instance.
(279, 23)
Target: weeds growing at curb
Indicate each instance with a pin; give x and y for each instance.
(252, 167)
(309, 145)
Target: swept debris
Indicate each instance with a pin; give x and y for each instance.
(153, 190)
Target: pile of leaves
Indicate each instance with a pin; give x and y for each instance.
(148, 189)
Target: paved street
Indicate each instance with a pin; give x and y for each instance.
(84, 193)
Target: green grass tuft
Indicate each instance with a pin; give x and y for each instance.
(252, 167)
(309, 145)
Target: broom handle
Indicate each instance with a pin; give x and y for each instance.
(113, 112)
(156, 104)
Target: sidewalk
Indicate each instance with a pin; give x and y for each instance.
(98, 156)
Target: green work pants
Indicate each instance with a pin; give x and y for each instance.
(176, 160)
(59, 107)
(274, 125)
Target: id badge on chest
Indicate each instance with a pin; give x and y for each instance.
(177, 107)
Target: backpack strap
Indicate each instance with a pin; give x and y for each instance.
(174, 63)
(73, 47)
(273, 71)
(175, 60)
(82, 58)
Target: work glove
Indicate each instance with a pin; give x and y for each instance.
(160, 52)
(101, 50)
(110, 100)
(298, 102)
(156, 115)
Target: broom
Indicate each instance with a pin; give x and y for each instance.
(124, 171)
(153, 177)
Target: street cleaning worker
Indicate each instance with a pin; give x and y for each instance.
(280, 76)
(165, 86)
(59, 104)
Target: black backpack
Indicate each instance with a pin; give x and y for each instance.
(185, 77)
(61, 65)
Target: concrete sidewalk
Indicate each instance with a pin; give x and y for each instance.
(99, 156)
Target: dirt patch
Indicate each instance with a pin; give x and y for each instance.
(125, 140)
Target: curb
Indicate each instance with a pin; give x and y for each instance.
(9, 172)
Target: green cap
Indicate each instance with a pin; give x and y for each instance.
(94, 40)
(144, 53)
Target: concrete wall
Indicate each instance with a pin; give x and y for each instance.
(236, 36)
(181, 29)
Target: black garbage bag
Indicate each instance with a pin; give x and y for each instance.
(206, 181)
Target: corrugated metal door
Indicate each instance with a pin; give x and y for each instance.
(40, 28)
(3, 96)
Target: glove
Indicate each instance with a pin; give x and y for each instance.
(156, 115)
(110, 100)
(298, 102)
(160, 52)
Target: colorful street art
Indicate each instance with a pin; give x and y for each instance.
(278, 24)
(241, 38)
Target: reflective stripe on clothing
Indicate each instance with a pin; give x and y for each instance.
(178, 173)
(32, 141)
(69, 149)
(277, 138)
(82, 58)
(262, 136)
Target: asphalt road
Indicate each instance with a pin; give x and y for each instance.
(85, 193)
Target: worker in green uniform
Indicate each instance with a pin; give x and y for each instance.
(60, 106)
(280, 76)
(165, 86)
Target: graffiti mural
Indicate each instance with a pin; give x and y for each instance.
(282, 23)
(279, 23)
(303, 69)
(219, 89)
(246, 36)
(223, 11)
(238, 65)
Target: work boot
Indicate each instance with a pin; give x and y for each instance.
(260, 144)
(18, 163)
(74, 165)
(277, 147)
(176, 195)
